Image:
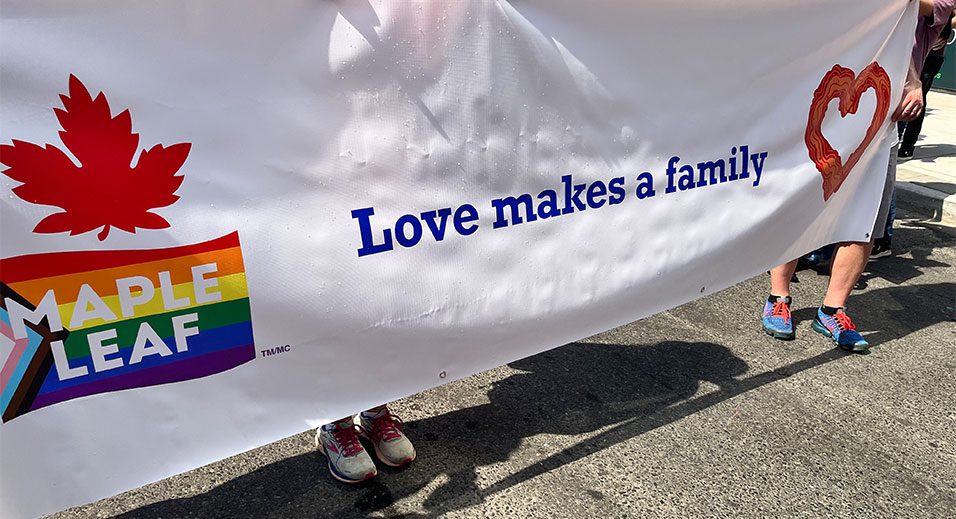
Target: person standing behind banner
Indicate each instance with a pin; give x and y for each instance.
(421, 36)
(909, 131)
(850, 258)
(931, 67)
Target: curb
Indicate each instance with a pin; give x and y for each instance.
(928, 204)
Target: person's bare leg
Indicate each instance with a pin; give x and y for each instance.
(775, 317)
(849, 260)
(780, 277)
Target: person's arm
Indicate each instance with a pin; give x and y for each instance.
(938, 10)
(912, 104)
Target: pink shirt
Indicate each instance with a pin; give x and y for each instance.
(928, 29)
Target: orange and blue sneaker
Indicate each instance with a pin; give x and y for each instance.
(841, 329)
(776, 318)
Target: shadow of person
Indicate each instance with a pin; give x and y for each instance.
(577, 389)
(887, 314)
(608, 393)
(923, 239)
(930, 152)
(898, 270)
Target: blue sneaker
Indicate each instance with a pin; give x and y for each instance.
(776, 319)
(841, 329)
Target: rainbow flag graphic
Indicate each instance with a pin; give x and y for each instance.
(75, 324)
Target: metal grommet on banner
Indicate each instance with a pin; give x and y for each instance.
(442, 374)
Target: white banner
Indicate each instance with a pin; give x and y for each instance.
(227, 221)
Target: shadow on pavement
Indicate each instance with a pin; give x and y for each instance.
(918, 238)
(887, 314)
(924, 211)
(577, 389)
(931, 152)
(897, 269)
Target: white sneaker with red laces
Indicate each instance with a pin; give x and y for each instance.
(384, 430)
(348, 460)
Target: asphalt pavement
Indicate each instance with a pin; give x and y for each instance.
(690, 413)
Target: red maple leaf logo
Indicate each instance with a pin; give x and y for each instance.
(105, 190)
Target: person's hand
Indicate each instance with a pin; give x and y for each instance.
(912, 104)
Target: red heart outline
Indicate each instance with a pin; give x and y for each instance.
(842, 83)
